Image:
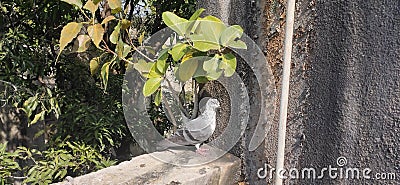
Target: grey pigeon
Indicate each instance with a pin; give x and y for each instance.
(196, 131)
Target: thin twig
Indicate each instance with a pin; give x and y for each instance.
(111, 51)
(137, 50)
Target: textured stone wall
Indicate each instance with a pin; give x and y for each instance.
(147, 169)
(344, 89)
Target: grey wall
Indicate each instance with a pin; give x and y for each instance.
(345, 89)
(353, 104)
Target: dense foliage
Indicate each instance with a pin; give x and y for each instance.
(84, 122)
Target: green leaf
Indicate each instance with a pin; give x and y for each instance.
(115, 5)
(91, 6)
(143, 67)
(37, 117)
(96, 1)
(238, 44)
(77, 3)
(192, 21)
(229, 64)
(207, 34)
(104, 73)
(68, 33)
(140, 39)
(154, 73)
(96, 33)
(230, 37)
(187, 69)
(115, 34)
(211, 28)
(205, 46)
(125, 24)
(107, 19)
(212, 18)
(82, 43)
(178, 51)
(122, 49)
(94, 65)
(176, 23)
(196, 14)
(214, 75)
(127, 50)
(151, 85)
(162, 65)
(201, 79)
(211, 68)
(158, 98)
(211, 65)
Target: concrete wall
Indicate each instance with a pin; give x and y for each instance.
(146, 169)
(345, 89)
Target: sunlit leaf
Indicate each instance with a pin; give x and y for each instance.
(154, 73)
(158, 98)
(196, 14)
(107, 19)
(211, 65)
(77, 3)
(104, 73)
(205, 46)
(127, 50)
(229, 64)
(214, 75)
(187, 56)
(68, 33)
(162, 65)
(94, 65)
(238, 44)
(91, 6)
(115, 34)
(231, 34)
(143, 67)
(176, 23)
(211, 28)
(115, 5)
(201, 79)
(151, 85)
(125, 24)
(178, 51)
(192, 25)
(122, 49)
(39, 116)
(141, 37)
(82, 43)
(187, 69)
(96, 33)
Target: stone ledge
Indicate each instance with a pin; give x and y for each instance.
(145, 169)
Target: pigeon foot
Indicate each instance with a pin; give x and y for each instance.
(202, 151)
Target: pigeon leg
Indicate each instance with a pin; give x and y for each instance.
(201, 151)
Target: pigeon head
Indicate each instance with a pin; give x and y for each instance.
(213, 103)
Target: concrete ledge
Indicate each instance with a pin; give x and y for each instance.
(145, 169)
